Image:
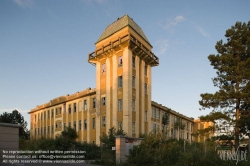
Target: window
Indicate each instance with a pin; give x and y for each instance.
(74, 107)
(52, 113)
(157, 114)
(52, 129)
(103, 100)
(94, 102)
(93, 123)
(133, 61)
(103, 67)
(44, 131)
(103, 121)
(45, 115)
(119, 104)
(74, 125)
(145, 116)
(56, 125)
(119, 81)
(85, 104)
(145, 70)
(133, 104)
(56, 111)
(120, 125)
(145, 88)
(85, 124)
(154, 128)
(60, 110)
(69, 109)
(133, 127)
(41, 131)
(80, 125)
(69, 124)
(48, 114)
(120, 61)
(154, 113)
(48, 130)
(60, 125)
(133, 81)
(41, 116)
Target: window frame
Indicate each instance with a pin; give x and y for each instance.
(104, 68)
(133, 61)
(120, 61)
(93, 123)
(120, 105)
(103, 101)
(93, 102)
(120, 81)
(103, 121)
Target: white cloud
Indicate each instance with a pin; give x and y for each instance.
(172, 22)
(203, 33)
(24, 3)
(161, 47)
(179, 42)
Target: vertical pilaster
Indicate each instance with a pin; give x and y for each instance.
(149, 75)
(127, 90)
(142, 97)
(98, 98)
(88, 118)
(114, 92)
(137, 87)
(108, 94)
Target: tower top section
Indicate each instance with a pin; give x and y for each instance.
(122, 34)
(119, 24)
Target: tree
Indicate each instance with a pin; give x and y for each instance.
(233, 74)
(179, 125)
(165, 120)
(16, 118)
(69, 133)
(109, 139)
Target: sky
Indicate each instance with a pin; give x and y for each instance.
(44, 47)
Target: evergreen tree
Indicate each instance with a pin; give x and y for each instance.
(233, 74)
(16, 118)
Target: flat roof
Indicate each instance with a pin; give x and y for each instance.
(10, 125)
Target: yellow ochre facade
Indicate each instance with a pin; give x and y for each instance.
(122, 97)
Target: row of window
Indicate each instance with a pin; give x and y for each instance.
(155, 113)
(120, 62)
(133, 83)
(42, 116)
(42, 131)
(120, 126)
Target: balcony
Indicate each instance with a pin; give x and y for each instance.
(135, 45)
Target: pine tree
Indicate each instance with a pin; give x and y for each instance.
(233, 74)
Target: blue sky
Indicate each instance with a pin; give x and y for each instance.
(44, 47)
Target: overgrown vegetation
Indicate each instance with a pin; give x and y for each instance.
(107, 142)
(155, 151)
(63, 143)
